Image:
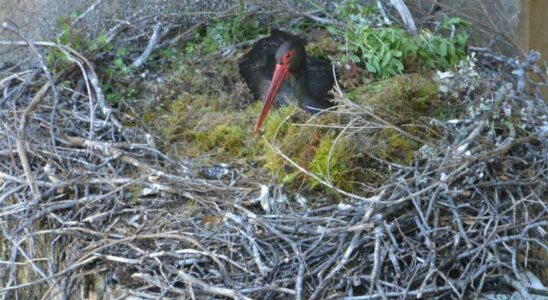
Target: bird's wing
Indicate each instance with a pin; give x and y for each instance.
(257, 66)
(322, 72)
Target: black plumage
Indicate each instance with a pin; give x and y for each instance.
(309, 83)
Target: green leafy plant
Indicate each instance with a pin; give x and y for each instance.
(223, 33)
(56, 59)
(387, 51)
(437, 51)
(116, 90)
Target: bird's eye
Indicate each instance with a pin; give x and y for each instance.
(287, 57)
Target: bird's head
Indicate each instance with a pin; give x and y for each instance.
(292, 55)
(290, 58)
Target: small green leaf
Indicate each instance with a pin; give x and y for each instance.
(462, 38)
(332, 30)
(376, 63)
(119, 63)
(354, 58)
(386, 59)
(443, 49)
(451, 49)
(396, 53)
(455, 20)
(398, 64)
(122, 51)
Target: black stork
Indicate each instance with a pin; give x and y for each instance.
(277, 68)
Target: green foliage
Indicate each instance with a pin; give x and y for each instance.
(436, 51)
(77, 40)
(223, 33)
(56, 59)
(356, 13)
(387, 51)
(230, 31)
(117, 90)
(167, 53)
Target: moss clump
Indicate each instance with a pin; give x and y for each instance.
(276, 124)
(201, 111)
(223, 139)
(400, 99)
(407, 101)
(173, 122)
(395, 147)
(190, 127)
(311, 145)
(323, 48)
(404, 101)
(283, 135)
(331, 162)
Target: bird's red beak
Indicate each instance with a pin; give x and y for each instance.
(280, 74)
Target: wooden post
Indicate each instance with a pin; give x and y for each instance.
(534, 36)
(534, 30)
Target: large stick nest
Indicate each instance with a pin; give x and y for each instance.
(86, 198)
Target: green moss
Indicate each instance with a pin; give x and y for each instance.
(281, 132)
(136, 192)
(223, 139)
(401, 99)
(276, 124)
(395, 147)
(331, 161)
(324, 48)
(311, 146)
(408, 101)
